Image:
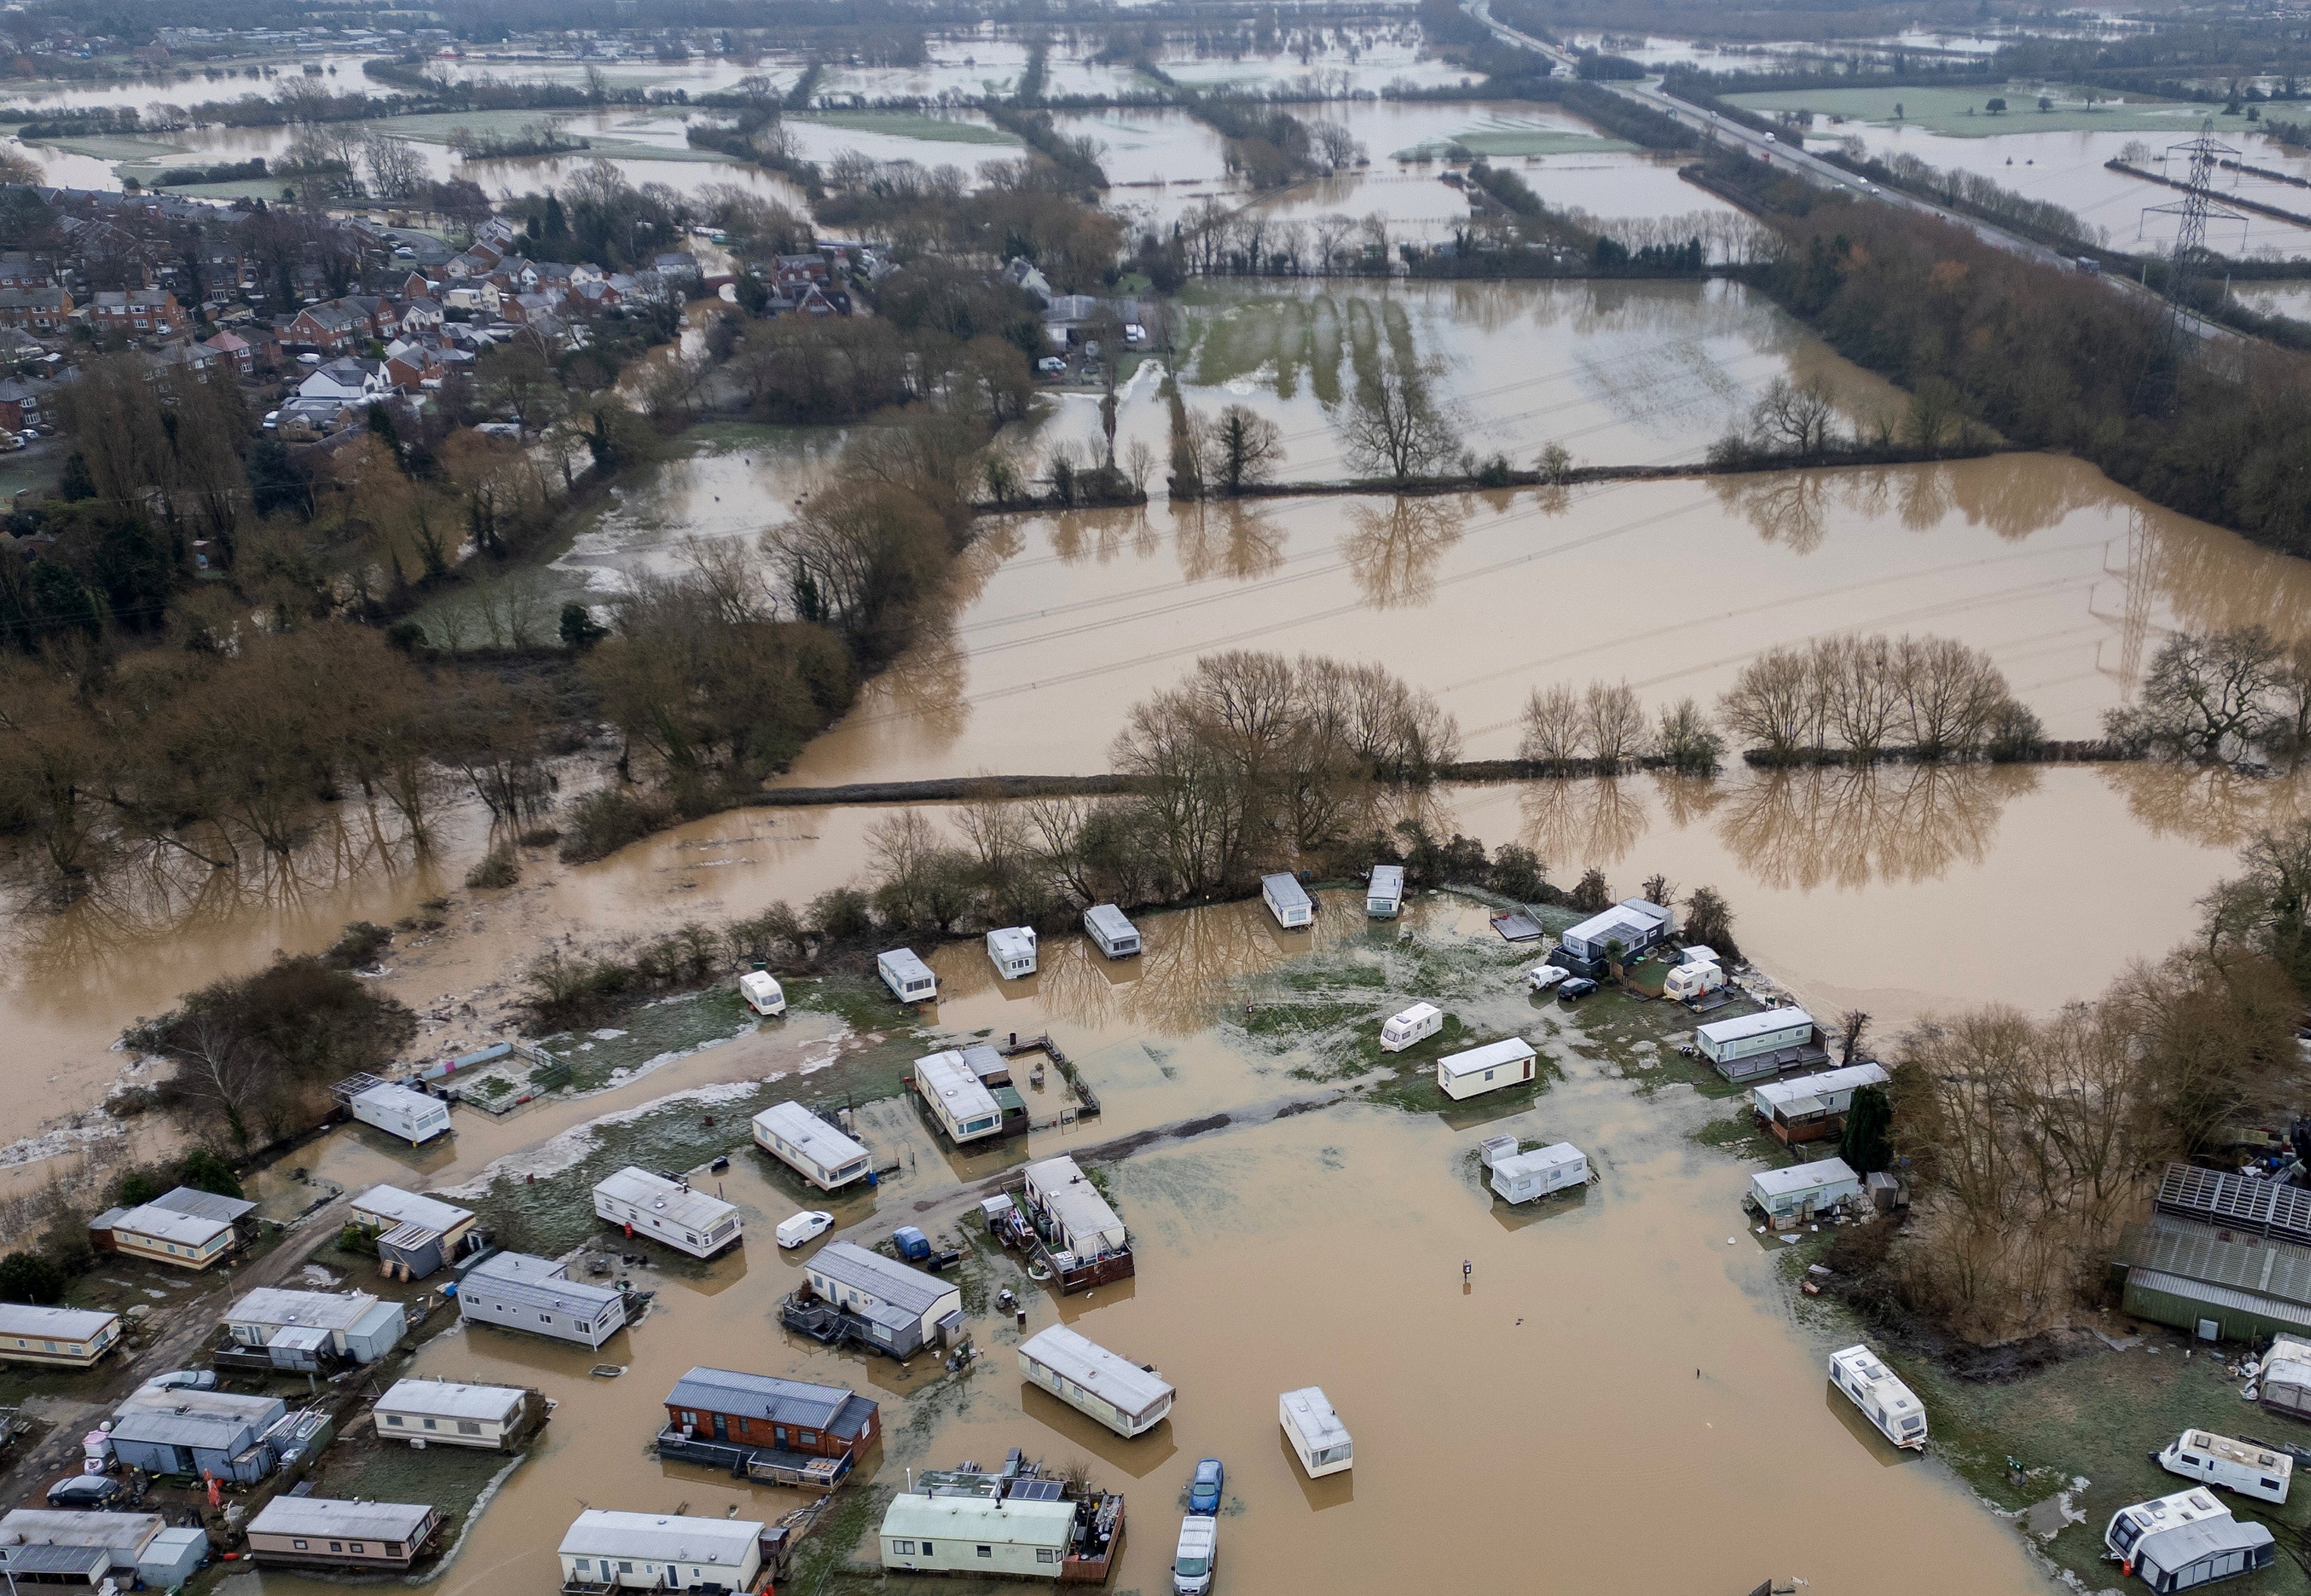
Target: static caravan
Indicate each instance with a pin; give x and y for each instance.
(1288, 900)
(1110, 931)
(660, 1551)
(1811, 1107)
(399, 1111)
(1689, 981)
(1087, 1377)
(1787, 1196)
(1524, 1176)
(415, 1234)
(126, 1539)
(180, 1229)
(1071, 1210)
(2284, 1386)
(351, 1324)
(1318, 1437)
(1633, 923)
(72, 1337)
(952, 1090)
(1884, 1401)
(669, 1211)
(2184, 1540)
(521, 1292)
(321, 1532)
(763, 992)
(810, 1147)
(448, 1413)
(193, 1432)
(1416, 1024)
(1487, 1068)
(1384, 893)
(1753, 1045)
(1013, 950)
(909, 979)
(2251, 1469)
(746, 1414)
(945, 1532)
(904, 1308)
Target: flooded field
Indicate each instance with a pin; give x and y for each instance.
(1339, 1231)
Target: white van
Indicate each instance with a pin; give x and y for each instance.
(1416, 1024)
(763, 992)
(1197, 1555)
(909, 979)
(1542, 976)
(2235, 1465)
(1689, 981)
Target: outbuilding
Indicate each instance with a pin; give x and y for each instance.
(1288, 900)
(1071, 1210)
(1522, 1177)
(904, 1309)
(415, 1234)
(452, 1413)
(964, 1107)
(74, 1338)
(1487, 1068)
(1384, 892)
(606, 1551)
(1634, 923)
(909, 979)
(351, 1324)
(669, 1210)
(1811, 1107)
(1013, 950)
(1087, 1377)
(172, 1557)
(810, 1147)
(1113, 933)
(196, 1432)
(1752, 1046)
(330, 1532)
(1789, 1196)
(522, 1292)
(401, 1111)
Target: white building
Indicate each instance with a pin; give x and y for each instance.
(1633, 923)
(447, 1413)
(387, 1207)
(1013, 950)
(953, 1533)
(905, 1308)
(1520, 1177)
(1087, 1377)
(1487, 1068)
(1756, 1044)
(1804, 1107)
(188, 1228)
(1288, 900)
(1317, 1436)
(399, 1111)
(685, 1219)
(952, 1090)
(909, 979)
(74, 1337)
(660, 1551)
(1110, 931)
(355, 1324)
(521, 1292)
(1804, 1190)
(1087, 1226)
(1384, 893)
(810, 1147)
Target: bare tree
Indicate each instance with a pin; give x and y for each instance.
(1795, 418)
(1860, 694)
(1686, 739)
(1556, 726)
(1240, 448)
(2203, 700)
(1330, 232)
(1614, 723)
(1776, 701)
(1395, 425)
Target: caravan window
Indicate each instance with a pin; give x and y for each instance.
(1047, 1554)
(986, 1551)
(902, 1548)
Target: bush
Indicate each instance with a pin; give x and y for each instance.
(1517, 872)
(31, 1277)
(541, 837)
(205, 1171)
(605, 821)
(842, 915)
(359, 946)
(498, 869)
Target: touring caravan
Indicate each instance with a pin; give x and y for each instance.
(2250, 1469)
(1087, 1377)
(1013, 950)
(909, 979)
(1884, 1401)
(1524, 1176)
(1110, 931)
(1288, 900)
(1689, 981)
(2187, 1539)
(1487, 1068)
(1318, 1437)
(1416, 1024)
(763, 992)
(1384, 894)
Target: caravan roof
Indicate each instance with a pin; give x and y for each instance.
(1555, 1156)
(1790, 1095)
(1741, 1027)
(799, 1128)
(684, 1205)
(55, 1324)
(663, 1536)
(407, 1208)
(871, 1272)
(951, 1077)
(1109, 921)
(1115, 1380)
(327, 1515)
(539, 1283)
(1312, 1417)
(1509, 1050)
(450, 1399)
(1803, 1177)
(1069, 1194)
(318, 1310)
(1283, 889)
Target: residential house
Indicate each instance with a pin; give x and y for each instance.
(373, 313)
(48, 310)
(329, 328)
(417, 285)
(1632, 924)
(606, 1551)
(188, 1228)
(675, 267)
(325, 1532)
(797, 270)
(298, 1326)
(528, 308)
(496, 234)
(196, 357)
(138, 313)
(74, 1338)
(21, 270)
(196, 1432)
(410, 366)
(422, 313)
(347, 381)
(23, 404)
(237, 353)
(746, 1414)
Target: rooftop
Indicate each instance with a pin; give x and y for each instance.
(1312, 1417)
(766, 1396)
(1509, 1050)
(406, 1208)
(203, 1419)
(321, 1310)
(818, 1141)
(895, 1283)
(1780, 1093)
(664, 1536)
(152, 1220)
(1801, 1177)
(205, 1205)
(1555, 1155)
(519, 1278)
(697, 1211)
(1115, 1379)
(1741, 1027)
(1014, 1523)
(448, 1398)
(956, 1085)
(1285, 889)
(1069, 1194)
(1111, 920)
(332, 1515)
(127, 1531)
(56, 1324)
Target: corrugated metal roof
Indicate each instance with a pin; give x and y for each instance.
(682, 1205)
(1114, 1379)
(819, 1142)
(2199, 1253)
(83, 1562)
(202, 1419)
(272, 1307)
(850, 1265)
(2218, 1297)
(122, 1531)
(407, 1208)
(450, 1399)
(332, 1515)
(206, 1205)
(55, 1324)
(759, 1396)
(2221, 1197)
(599, 1532)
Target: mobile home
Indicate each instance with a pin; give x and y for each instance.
(810, 1147)
(763, 992)
(1787, 1196)
(1524, 1176)
(1416, 1024)
(1087, 1377)
(1384, 893)
(415, 1234)
(1288, 900)
(905, 1308)
(188, 1228)
(742, 1415)
(909, 979)
(399, 1111)
(1013, 950)
(659, 1551)
(521, 1292)
(1884, 1401)
(1064, 1202)
(126, 1539)
(1114, 935)
(2284, 1386)
(1811, 1107)
(2251, 1469)
(1318, 1437)
(1754, 1044)
(72, 1337)
(952, 1090)
(1689, 981)
(669, 1210)
(321, 1532)
(352, 1325)
(943, 1531)
(448, 1413)
(1487, 1068)
(1633, 923)
(2187, 1539)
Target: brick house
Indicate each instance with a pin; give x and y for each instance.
(22, 404)
(46, 309)
(236, 352)
(138, 312)
(326, 327)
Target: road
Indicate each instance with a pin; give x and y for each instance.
(1794, 158)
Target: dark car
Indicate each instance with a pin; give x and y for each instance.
(86, 1493)
(1574, 990)
(1204, 1490)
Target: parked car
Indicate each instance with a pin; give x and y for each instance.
(1052, 366)
(86, 1493)
(806, 1225)
(1542, 976)
(1574, 990)
(183, 1380)
(1204, 1490)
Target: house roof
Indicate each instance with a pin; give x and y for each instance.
(790, 1403)
(156, 1223)
(1113, 1378)
(910, 1289)
(56, 1324)
(1634, 915)
(684, 1205)
(663, 1536)
(332, 1515)
(450, 1399)
(321, 1310)
(391, 1202)
(1786, 1094)
(206, 1205)
(203, 1419)
(799, 1127)
(1743, 1026)
(122, 1531)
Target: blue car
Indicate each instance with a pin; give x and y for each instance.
(1204, 1490)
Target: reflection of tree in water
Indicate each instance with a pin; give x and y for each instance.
(2212, 580)
(2016, 495)
(2213, 806)
(1687, 800)
(970, 572)
(1790, 508)
(1393, 546)
(1850, 825)
(1103, 535)
(1195, 958)
(1575, 824)
(1228, 539)
(1923, 495)
(925, 684)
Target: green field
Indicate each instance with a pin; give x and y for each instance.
(908, 125)
(1945, 110)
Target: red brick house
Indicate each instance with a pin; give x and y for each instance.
(46, 308)
(324, 327)
(138, 312)
(234, 351)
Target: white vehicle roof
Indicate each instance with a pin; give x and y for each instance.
(686, 1205)
(1509, 1050)
(2264, 1458)
(799, 1127)
(1866, 1367)
(1115, 1380)
(1418, 1014)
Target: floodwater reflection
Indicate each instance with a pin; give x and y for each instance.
(1393, 544)
(1851, 826)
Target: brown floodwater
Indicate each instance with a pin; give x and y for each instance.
(1611, 1366)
